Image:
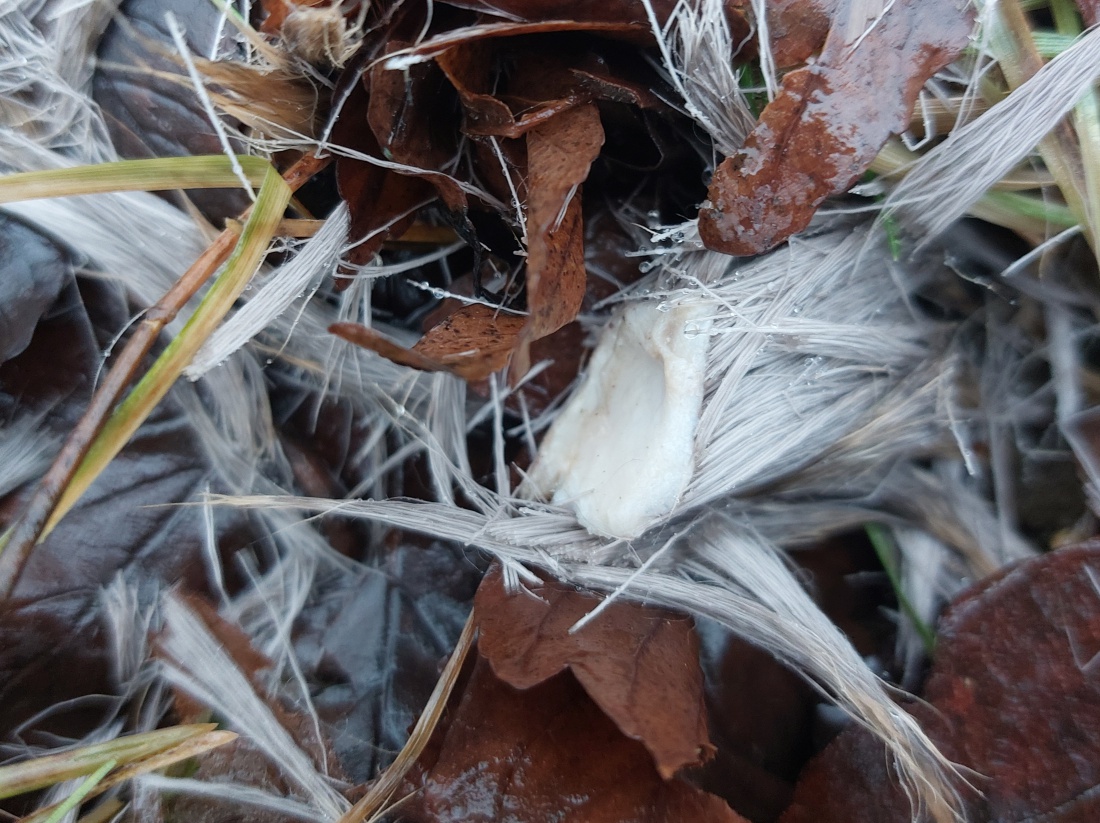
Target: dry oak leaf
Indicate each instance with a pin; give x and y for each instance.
(541, 754)
(1013, 696)
(828, 122)
(639, 664)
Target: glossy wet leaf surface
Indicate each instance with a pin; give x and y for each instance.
(827, 123)
(1012, 697)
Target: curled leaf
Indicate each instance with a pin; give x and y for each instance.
(559, 155)
(471, 343)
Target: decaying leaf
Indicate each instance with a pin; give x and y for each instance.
(640, 665)
(798, 28)
(382, 203)
(1090, 11)
(559, 155)
(545, 753)
(1012, 697)
(472, 343)
(828, 122)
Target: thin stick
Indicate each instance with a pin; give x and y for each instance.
(21, 538)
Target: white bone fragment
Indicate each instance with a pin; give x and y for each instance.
(621, 451)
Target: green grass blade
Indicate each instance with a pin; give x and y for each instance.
(41, 772)
(203, 172)
(258, 232)
(74, 799)
(884, 549)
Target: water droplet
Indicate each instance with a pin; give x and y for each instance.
(663, 306)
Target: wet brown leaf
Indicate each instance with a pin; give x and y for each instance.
(559, 155)
(797, 28)
(545, 753)
(404, 110)
(640, 665)
(1013, 696)
(827, 123)
(473, 342)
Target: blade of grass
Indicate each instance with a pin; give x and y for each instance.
(1086, 118)
(74, 799)
(41, 772)
(184, 751)
(1014, 47)
(158, 174)
(18, 541)
(271, 201)
(884, 548)
(383, 788)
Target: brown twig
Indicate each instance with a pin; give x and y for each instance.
(27, 529)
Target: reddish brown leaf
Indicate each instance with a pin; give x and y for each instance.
(1013, 696)
(467, 67)
(827, 123)
(546, 753)
(798, 28)
(377, 342)
(472, 343)
(1090, 11)
(559, 155)
(639, 664)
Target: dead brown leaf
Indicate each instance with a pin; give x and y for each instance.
(467, 66)
(1090, 11)
(382, 204)
(828, 122)
(640, 665)
(472, 343)
(435, 46)
(1013, 696)
(545, 753)
(559, 155)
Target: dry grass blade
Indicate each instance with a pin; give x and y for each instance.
(45, 507)
(41, 772)
(380, 793)
(188, 749)
(159, 174)
(1019, 59)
